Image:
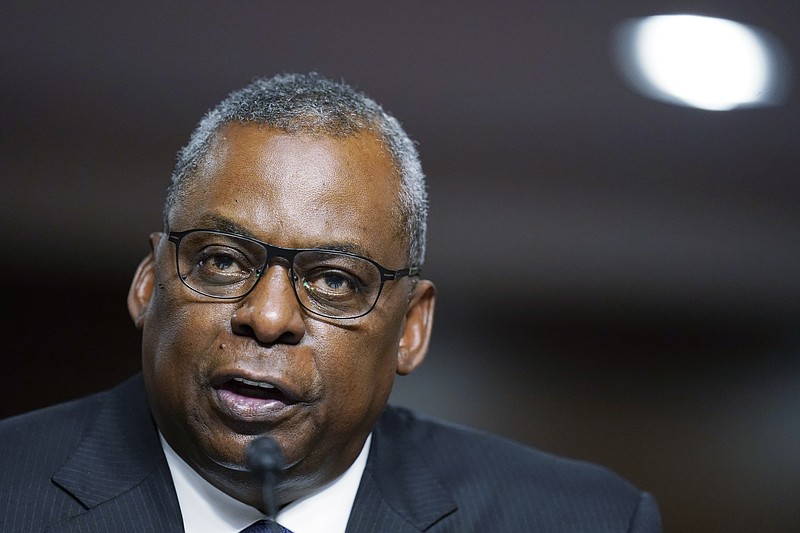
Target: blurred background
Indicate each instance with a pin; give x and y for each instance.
(619, 277)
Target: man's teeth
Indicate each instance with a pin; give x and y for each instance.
(259, 384)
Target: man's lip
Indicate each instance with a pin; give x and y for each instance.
(244, 398)
(267, 384)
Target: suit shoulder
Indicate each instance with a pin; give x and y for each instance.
(529, 485)
(47, 434)
(487, 453)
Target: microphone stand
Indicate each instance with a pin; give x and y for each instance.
(265, 460)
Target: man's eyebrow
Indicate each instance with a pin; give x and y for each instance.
(343, 247)
(221, 223)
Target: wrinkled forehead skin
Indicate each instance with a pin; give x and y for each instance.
(310, 173)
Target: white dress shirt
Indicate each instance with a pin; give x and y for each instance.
(206, 509)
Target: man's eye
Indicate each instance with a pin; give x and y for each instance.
(336, 282)
(221, 262)
(332, 284)
(221, 266)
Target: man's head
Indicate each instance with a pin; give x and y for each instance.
(296, 162)
(311, 104)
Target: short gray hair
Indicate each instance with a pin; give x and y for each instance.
(310, 103)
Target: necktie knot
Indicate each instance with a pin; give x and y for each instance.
(265, 526)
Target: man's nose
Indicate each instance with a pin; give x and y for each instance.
(270, 312)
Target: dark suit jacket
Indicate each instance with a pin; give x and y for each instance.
(96, 465)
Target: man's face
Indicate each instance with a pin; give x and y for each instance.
(333, 377)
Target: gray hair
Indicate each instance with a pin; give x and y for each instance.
(310, 103)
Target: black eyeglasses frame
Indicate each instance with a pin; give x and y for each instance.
(288, 254)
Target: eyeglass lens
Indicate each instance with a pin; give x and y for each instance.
(328, 283)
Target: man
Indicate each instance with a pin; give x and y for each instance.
(281, 299)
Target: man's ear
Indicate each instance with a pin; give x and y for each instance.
(417, 329)
(143, 284)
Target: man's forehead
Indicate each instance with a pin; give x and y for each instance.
(306, 190)
(221, 223)
(254, 154)
(242, 143)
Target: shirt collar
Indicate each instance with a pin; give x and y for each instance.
(205, 508)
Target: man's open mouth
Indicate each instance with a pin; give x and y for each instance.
(253, 398)
(260, 390)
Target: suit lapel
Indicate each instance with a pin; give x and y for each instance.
(118, 473)
(398, 491)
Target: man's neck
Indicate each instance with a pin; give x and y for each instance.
(205, 508)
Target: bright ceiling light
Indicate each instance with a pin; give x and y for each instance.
(702, 62)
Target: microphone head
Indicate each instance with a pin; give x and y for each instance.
(264, 455)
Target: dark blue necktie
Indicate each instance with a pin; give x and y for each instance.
(265, 526)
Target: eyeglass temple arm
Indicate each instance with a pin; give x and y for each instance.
(390, 275)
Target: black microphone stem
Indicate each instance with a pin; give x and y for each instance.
(268, 497)
(265, 459)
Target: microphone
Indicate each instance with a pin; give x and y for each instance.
(265, 460)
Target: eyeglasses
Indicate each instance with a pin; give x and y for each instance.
(328, 283)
